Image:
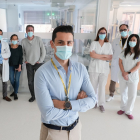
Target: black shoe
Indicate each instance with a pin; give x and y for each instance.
(31, 99)
(15, 97)
(12, 94)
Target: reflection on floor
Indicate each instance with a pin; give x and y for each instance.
(20, 120)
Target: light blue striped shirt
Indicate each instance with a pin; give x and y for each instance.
(48, 86)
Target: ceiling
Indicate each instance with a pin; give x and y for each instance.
(78, 3)
(44, 1)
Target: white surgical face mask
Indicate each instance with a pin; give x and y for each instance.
(64, 52)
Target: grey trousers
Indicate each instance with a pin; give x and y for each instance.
(31, 69)
(112, 88)
(4, 84)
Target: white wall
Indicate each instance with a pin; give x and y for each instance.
(12, 18)
(104, 7)
(3, 22)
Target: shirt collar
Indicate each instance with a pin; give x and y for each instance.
(59, 66)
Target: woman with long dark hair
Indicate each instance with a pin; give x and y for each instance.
(101, 54)
(15, 63)
(129, 63)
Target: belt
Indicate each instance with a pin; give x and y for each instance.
(70, 127)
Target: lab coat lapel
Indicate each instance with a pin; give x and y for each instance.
(5, 52)
(120, 43)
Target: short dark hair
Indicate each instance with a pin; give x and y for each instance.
(64, 28)
(12, 36)
(29, 26)
(1, 31)
(125, 25)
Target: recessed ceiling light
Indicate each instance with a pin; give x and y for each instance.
(38, 2)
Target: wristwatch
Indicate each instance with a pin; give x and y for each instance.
(67, 105)
(129, 72)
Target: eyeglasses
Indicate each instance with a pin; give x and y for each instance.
(123, 30)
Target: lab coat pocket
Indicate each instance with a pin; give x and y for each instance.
(114, 62)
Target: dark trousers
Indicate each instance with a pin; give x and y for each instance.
(14, 78)
(112, 88)
(4, 84)
(31, 69)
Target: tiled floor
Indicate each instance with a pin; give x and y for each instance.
(20, 120)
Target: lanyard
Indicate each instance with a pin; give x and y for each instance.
(121, 43)
(66, 92)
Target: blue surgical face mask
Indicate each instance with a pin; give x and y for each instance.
(102, 36)
(0, 37)
(14, 42)
(124, 33)
(30, 34)
(64, 52)
(132, 44)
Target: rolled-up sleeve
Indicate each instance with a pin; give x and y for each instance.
(82, 105)
(44, 100)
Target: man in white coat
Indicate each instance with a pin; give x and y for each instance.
(4, 65)
(118, 45)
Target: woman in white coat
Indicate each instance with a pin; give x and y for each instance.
(129, 63)
(101, 54)
(4, 65)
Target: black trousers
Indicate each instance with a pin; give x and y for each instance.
(4, 84)
(31, 69)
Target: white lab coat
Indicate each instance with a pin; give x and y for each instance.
(117, 49)
(5, 52)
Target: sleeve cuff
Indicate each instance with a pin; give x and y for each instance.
(75, 105)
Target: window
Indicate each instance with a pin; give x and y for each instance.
(43, 21)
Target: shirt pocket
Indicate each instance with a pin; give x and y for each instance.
(134, 76)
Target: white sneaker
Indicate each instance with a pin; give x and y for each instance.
(109, 99)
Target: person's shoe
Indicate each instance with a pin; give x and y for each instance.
(15, 97)
(31, 99)
(102, 109)
(7, 99)
(109, 99)
(120, 112)
(95, 106)
(12, 94)
(130, 117)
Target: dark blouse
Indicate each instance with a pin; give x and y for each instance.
(123, 41)
(16, 57)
